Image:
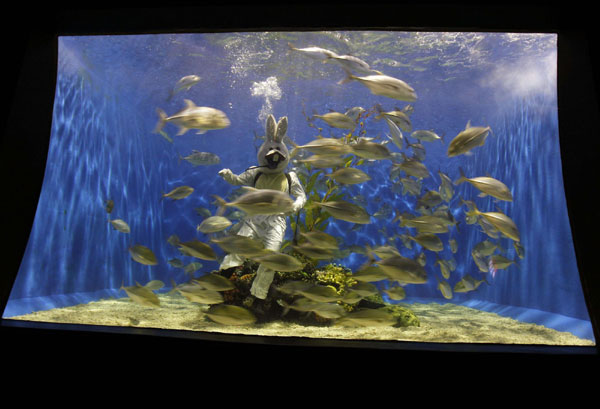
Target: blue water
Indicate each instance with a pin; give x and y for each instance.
(102, 147)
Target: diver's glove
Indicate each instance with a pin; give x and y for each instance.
(295, 208)
(228, 175)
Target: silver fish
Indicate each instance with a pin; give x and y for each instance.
(315, 53)
(370, 150)
(349, 176)
(242, 245)
(403, 270)
(369, 274)
(214, 282)
(411, 186)
(196, 293)
(467, 284)
(387, 86)
(214, 224)
(413, 167)
(184, 84)
(399, 118)
(500, 221)
(197, 158)
(351, 64)
(196, 248)
(323, 161)
(279, 261)
(453, 245)
(323, 146)
(261, 201)
(345, 211)
(488, 186)
(446, 187)
(315, 252)
(143, 295)
(320, 239)
(179, 192)
(469, 138)
(120, 225)
(426, 136)
(396, 136)
(230, 315)
(337, 120)
(364, 289)
(444, 288)
(355, 112)
(142, 255)
(193, 117)
(396, 293)
(428, 240)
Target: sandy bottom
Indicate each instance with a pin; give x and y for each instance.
(446, 323)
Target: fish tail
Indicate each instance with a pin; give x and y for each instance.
(462, 177)
(174, 285)
(286, 307)
(349, 77)
(220, 202)
(162, 117)
(293, 152)
(291, 47)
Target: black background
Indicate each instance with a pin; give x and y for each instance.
(28, 76)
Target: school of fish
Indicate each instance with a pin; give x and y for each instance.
(422, 224)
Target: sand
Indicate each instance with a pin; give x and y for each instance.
(444, 323)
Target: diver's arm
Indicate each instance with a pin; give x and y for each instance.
(243, 179)
(297, 191)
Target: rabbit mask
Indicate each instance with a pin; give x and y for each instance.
(273, 155)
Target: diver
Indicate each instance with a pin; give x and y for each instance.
(273, 158)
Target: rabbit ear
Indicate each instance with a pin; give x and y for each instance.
(281, 129)
(270, 127)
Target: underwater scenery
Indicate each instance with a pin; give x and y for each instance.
(384, 185)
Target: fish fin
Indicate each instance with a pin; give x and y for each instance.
(462, 177)
(201, 131)
(162, 117)
(482, 194)
(166, 136)
(189, 103)
(468, 124)
(349, 77)
(468, 153)
(294, 151)
(344, 80)
(220, 211)
(220, 201)
(182, 130)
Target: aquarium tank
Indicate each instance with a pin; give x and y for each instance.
(403, 186)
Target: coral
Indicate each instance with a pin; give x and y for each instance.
(405, 316)
(333, 275)
(336, 276)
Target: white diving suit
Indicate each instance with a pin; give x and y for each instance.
(270, 229)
